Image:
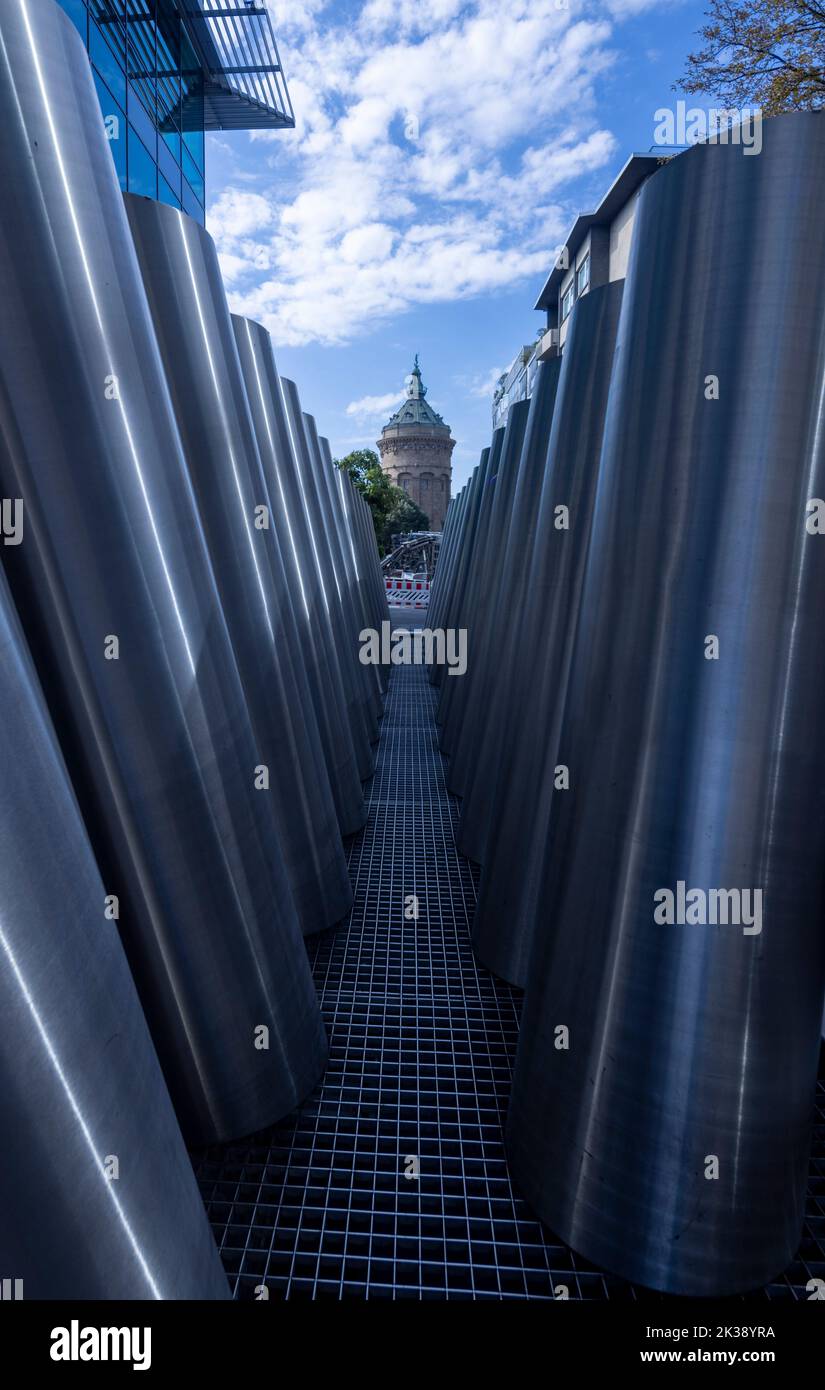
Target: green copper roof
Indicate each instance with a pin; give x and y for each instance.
(415, 412)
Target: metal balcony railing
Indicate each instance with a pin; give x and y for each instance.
(245, 88)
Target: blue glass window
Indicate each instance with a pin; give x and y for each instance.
(167, 166)
(144, 116)
(166, 194)
(193, 174)
(193, 139)
(107, 64)
(191, 204)
(114, 123)
(111, 25)
(143, 171)
(140, 119)
(172, 141)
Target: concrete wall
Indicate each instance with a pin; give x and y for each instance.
(621, 235)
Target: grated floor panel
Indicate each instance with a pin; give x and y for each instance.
(422, 1041)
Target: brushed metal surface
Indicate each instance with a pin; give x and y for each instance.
(459, 601)
(507, 802)
(344, 626)
(441, 587)
(357, 575)
(370, 563)
(690, 1043)
(80, 1084)
(470, 597)
(502, 563)
(444, 577)
(278, 456)
(364, 690)
(344, 698)
(366, 563)
(182, 278)
(158, 742)
(369, 552)
(448, 598)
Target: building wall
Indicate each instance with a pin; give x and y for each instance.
(591, 246)
(157, 149)
(596, 248)
(423, 469)
(621, 236)
(516, 384)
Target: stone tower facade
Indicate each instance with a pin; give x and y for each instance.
(416, 449)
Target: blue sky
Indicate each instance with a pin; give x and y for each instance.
(442, 151)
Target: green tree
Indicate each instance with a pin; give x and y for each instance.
(365, 470)
(767, 53)
(403, 516)
(392, 510)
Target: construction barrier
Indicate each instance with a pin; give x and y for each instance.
(408, 593)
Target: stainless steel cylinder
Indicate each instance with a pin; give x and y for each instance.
(665, 1134)
(343, 693)
(455, 614)
(444, 597)
(494, 499)
(364, 689)
(445, 568)
(371, 571)
(97, 1195)
(182, 278)
(290, 517)
(369, 550)
(368, 604)
(496, 615)
(506, 809)
(120, 606)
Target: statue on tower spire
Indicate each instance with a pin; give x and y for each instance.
(416, 390)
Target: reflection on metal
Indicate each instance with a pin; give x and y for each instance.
(669, 1140)
(369, 564)
(291, 523)
(513, 517)
(451, 547)
(471, 599)
(459, 603)
(366, 695)
(343, 694)
(182, 278)
(509, 790)
(355, 608)
(97, 1195)
(114, 565)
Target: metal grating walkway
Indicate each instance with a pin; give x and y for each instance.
(421, 1048)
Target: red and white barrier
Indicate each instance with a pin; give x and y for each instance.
(405, 585)
(408, 593)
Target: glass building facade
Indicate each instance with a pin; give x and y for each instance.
(165, 73)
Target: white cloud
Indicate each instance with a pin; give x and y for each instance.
(371, 407)
(352, 221)
(236, 213)
(484, 385)
(368, 243)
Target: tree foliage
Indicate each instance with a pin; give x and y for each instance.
(766, 53)
(404, 515)
(392, 510)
